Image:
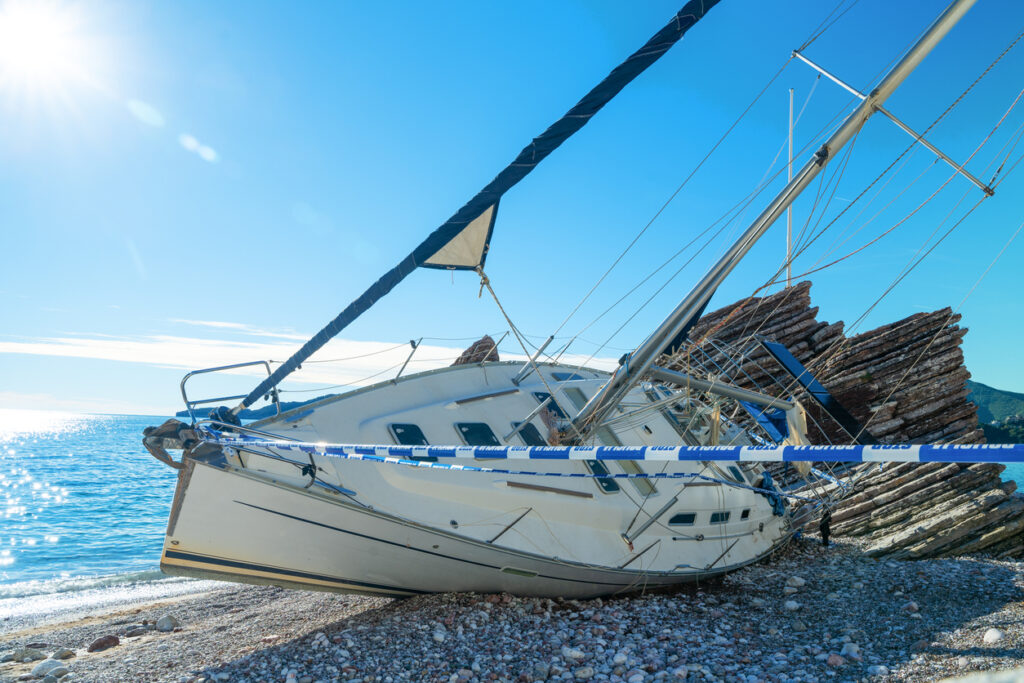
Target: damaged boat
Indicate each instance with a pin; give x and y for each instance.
(537, 478)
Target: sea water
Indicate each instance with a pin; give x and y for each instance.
(83, 508)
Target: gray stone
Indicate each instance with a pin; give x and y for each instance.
(795, 582)
(44, 667)
(791, 605)
(584, 673)
(850, 649)
(878, 670)
(167, 623)
(138, 631)
(59, 672)
(28, 654)
(63, 653)
(757, 602)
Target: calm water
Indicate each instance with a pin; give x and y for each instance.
(82, 504)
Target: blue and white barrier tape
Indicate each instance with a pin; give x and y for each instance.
(966, 453)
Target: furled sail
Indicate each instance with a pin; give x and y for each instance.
(462, 242)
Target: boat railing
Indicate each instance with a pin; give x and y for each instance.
(190, 404)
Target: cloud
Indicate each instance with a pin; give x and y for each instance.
(340, 362)
(191, 144)
(19, 407)
(146, 113)
(241, 327)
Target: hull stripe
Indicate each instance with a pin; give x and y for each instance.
(252, 566)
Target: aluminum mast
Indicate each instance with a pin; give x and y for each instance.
(639, 362)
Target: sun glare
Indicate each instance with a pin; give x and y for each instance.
(39, 44)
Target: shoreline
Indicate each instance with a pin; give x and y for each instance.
(808, 614)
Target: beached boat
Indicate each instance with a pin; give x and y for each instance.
(536, 478)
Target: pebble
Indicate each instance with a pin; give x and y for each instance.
(167, 623)
(993, 635)
(726, 630)
(44, 667)
(795, 582)
(27, 654)
(63, 653)
(104, 643)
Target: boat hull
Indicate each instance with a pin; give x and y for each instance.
(231, 525)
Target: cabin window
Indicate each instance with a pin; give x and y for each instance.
(745, 514)
(720, 517)
(644, 486)
(542, 396)
(477, 434)
(683, 519)
(410, 435)
(578, 398)
(605, 484)
(607, 437)
(530, 434)
(566, 376)
(737, 474)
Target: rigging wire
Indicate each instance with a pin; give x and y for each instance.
(671, 197)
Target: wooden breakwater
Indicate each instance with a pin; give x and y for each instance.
(905, 382)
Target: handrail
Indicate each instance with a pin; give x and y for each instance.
(273, 394)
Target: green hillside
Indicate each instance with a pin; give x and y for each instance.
(994, 404)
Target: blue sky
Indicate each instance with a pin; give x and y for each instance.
(188, 184)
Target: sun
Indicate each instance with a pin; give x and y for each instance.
(40, 45)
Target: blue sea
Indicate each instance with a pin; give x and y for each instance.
(83, 508)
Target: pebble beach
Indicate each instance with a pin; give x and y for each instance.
(807, 614)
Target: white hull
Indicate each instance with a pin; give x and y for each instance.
(403, 530)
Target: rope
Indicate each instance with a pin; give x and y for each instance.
(485, 282)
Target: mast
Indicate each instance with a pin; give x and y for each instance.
(789, 209)
(636, 365)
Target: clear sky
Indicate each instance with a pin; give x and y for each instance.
(186, 184)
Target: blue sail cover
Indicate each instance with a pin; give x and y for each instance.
(461, 243)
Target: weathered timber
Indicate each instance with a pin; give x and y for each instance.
(906, 383)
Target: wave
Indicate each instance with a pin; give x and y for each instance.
(23, 589)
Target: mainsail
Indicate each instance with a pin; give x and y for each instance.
(461, 243)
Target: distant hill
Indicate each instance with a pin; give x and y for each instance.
(259, 414)
(994, 404)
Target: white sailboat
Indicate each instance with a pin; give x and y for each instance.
(541, 478)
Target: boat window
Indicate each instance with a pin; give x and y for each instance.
(578, 398)
(736, 473)
(683, 519)
(530, 434)
(542, 396)
(408, 435)
(745, 514)
(719, 517)
(566, 376)
(607, 437)
(606, 485)
(644, 486)
(477, 434)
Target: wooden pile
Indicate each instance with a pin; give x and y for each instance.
(906, 383)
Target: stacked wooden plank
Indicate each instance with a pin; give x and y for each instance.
(906, 383)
